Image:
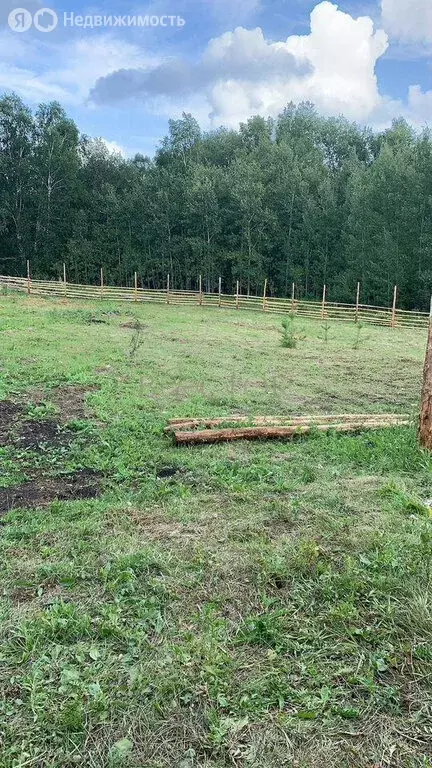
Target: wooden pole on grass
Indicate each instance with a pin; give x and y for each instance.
(264, 295)
(357, 303)
(425, 427)
(237, 294)
(393, 320)
(270, 432)
(220, 291)
(28, 278)
(101, 281)
(200, 291)
(64, 279)
(323, 311)
(135, 287)
(168, 290)
(292, 296)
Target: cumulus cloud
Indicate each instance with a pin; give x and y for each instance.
(241, 73)
(64, 72)
(113, 148)
(419, 105)
(343, 53)
(244, 56)
(238, 74)
(408, 20)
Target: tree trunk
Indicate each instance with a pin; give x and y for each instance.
(425, 430)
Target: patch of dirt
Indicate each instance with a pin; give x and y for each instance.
(157, 529)
(39, 434)
(277, 528)
(16, 429)
(39, 492)
(165, 472)
(70, 400)
(9, 415)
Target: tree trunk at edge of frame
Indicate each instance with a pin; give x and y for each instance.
(425, 430)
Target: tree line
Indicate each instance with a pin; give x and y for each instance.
(303, 198)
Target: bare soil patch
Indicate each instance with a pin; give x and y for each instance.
(17, 430)
(36, 435)
(9, 415)
(167, 472)
(71, 401)
(41, 491)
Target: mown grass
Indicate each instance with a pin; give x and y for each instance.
(254, 604)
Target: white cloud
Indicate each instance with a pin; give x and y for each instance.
(342, 52)
(113, 148)
(408, 20)
(64, 72)
(242, 73)
(419, 106)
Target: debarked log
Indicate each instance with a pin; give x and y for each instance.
(191, 423)
(278, 433)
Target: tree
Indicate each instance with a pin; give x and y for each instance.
(16, 144)
(303, 198)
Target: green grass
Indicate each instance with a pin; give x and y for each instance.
(268, 604)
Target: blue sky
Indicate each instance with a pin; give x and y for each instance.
(370, 61)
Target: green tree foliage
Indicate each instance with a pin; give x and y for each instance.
(302, 199)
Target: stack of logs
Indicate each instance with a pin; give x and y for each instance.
(228, 428)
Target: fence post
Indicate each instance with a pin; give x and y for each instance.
(393, 320)
(101, 281)
(357, 303)
(323, 301)
(292, 296)
(135, 287)
(237, 295)
(264, 295)
(28, 278)
(200, 291)
(220, 291)
(64, 279)
(425, 425)
(168, 290)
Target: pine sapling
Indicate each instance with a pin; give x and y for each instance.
(290, 337)
(326, 329)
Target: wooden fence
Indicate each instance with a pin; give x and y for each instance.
(318, 310)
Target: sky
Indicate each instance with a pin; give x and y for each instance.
(221, 60)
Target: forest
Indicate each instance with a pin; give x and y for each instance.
(302, 198)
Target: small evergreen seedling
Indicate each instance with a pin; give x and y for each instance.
(326, 328)
(358, 337)
(289, 336)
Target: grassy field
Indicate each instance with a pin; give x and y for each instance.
(255, 605)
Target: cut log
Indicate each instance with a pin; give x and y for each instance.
(277, 433)
(425, 430)
(183, 424)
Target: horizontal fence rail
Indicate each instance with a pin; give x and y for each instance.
(317, 310)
